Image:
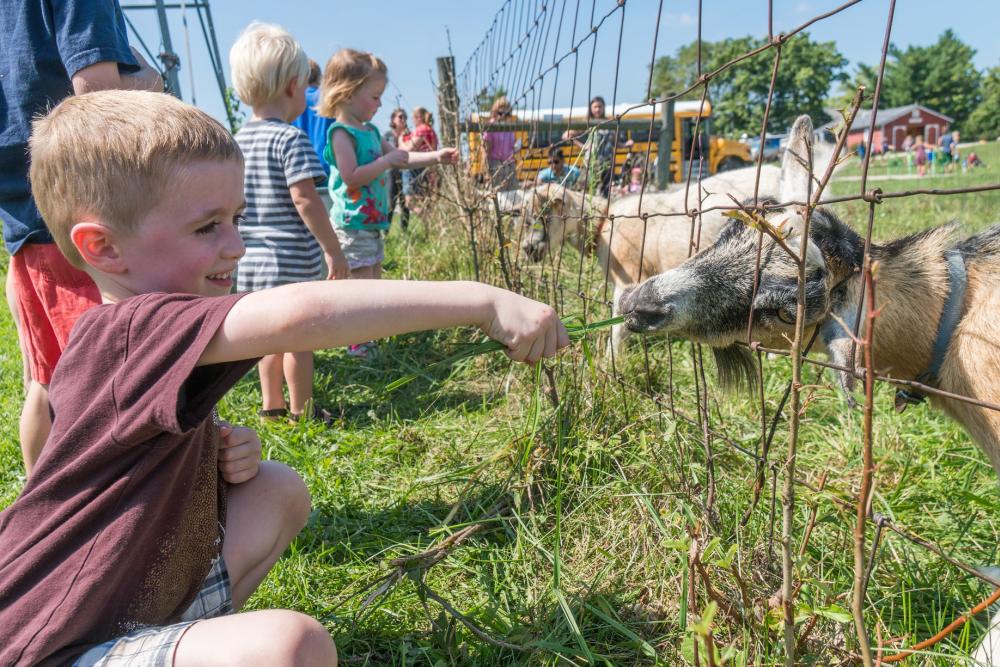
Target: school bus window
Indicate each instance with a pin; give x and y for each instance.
(640, 135)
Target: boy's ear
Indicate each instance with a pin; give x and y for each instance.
(97, 246)
(292, 88)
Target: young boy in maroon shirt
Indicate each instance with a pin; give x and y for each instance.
(146, 521)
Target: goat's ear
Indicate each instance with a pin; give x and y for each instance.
(794, 183)
(843, 249)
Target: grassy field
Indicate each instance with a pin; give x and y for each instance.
(568, 531)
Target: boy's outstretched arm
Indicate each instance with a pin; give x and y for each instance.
(319, 315)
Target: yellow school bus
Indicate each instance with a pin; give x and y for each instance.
(538, 131)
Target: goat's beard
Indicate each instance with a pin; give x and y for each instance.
(736, 367)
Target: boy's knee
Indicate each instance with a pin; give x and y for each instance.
(302, 640)
(291, 489)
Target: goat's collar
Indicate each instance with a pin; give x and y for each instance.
(950, 315)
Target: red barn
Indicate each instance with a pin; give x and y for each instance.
(896, 123)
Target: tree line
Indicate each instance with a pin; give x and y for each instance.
(941, 76)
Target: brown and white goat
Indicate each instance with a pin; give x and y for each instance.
(710, 298)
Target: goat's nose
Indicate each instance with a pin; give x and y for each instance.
(644, 314)
(649, 319)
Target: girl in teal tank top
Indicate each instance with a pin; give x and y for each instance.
(353, 83)
(367, 206)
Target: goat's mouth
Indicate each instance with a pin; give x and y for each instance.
(649, 320)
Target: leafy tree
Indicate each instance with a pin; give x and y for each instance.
(864, 75)
(984, 121)
(739, 94)
(672, 74)
(941, 76)
(486, 97)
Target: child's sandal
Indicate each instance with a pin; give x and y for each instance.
(272, 415)
(318, 414)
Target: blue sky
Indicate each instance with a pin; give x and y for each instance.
(410, 35)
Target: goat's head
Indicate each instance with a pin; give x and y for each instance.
(552, 215)
(711, 297)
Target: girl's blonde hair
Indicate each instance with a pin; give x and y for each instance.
(346, 71)
(422, 115)
(265, 58)
(500, 106)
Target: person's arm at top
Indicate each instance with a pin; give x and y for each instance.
(320, 315)
(317, 220)
(106, 76)
(347, 163)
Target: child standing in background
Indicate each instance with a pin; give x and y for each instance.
(393, 136)
(286, 228)
(353, 83)
(500, 148)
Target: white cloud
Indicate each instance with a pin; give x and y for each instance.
(681, 20)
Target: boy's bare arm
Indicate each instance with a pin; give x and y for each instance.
(319, 315)
(317, 220)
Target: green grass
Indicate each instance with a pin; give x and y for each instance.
(587, 558)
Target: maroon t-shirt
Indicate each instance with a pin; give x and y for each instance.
(119, 524)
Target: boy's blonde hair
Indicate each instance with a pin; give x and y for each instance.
(112, 155)
(346, 71)
(264, 59)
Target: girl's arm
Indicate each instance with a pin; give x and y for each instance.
(431, 158)
(347, 164)
(319, 315)
(314, 215)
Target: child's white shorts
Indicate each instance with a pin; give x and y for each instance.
(362, 247)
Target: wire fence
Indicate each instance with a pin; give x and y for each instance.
(536, 50)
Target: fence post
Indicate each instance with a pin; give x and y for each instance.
(666, 139)
(447, 100)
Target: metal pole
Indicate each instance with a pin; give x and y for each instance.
(665, 147)
(168, 57)
(216, 59)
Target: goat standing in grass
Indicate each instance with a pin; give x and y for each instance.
(922, 279)
(555, 214)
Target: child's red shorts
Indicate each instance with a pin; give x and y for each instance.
(51, 295)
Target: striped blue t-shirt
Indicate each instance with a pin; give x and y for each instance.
(280, 248)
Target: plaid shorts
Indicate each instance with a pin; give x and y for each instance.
(155, 646)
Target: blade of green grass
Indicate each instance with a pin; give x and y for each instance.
(576, 332)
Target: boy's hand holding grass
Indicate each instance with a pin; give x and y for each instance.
(527, 329)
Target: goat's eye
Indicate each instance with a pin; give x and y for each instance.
(785, 315)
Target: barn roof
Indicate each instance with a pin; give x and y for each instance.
(864, 118)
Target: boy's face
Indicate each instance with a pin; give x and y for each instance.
(368, 98)
(189, 242)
